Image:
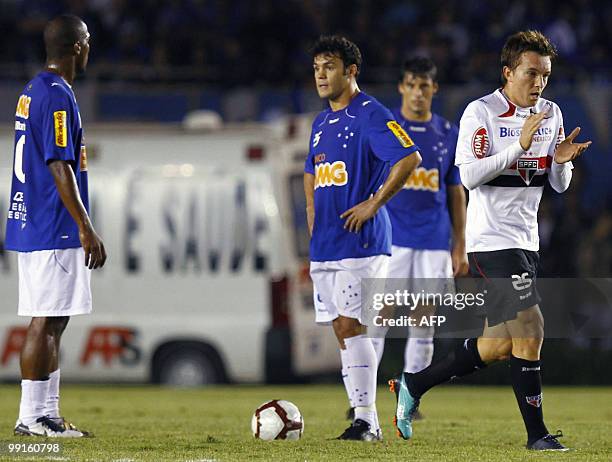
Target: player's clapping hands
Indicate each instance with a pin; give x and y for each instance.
(568, 150)
(358, 215)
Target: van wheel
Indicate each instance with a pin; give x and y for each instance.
(187, 365)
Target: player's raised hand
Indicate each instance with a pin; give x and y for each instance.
(568, 150)
(358, 215)
(530, 127)
(95, 253)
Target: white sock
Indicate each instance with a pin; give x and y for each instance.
(419, 349)
(52, 403)
(369, 414)
(33, 398)
(345, 376)
(379, 347)
(377, 336)
(361, 368)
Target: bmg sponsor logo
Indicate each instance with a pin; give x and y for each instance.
(23, 107)
(330, 174)
(422, 179)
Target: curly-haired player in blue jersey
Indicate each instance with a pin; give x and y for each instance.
(353, 144)
(48, 223)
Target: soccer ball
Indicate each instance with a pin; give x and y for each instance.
(277, 420)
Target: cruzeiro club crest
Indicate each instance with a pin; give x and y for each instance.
(527, 168)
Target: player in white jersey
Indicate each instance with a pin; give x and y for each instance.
(510, 143)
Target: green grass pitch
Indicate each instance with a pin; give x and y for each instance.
(462, 424)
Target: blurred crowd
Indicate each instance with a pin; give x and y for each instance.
(249, 42)
(576, 245)
(575, 236)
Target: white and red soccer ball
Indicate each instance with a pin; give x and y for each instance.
(277, 420)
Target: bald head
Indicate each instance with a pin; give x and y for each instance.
(61, 34)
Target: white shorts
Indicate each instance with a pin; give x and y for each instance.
(337, 285)
(54, 283)
(410, 264)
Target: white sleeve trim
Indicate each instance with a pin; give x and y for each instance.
(560, 176)
(480, 171)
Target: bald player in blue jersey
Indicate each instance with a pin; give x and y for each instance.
(48, 223)
(347, 182)
(428, 214)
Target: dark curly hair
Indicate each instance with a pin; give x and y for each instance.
(421, 66)
(339, 46)
(519, 43)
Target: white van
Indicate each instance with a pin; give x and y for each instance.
(207, 278)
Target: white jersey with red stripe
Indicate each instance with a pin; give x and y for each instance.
(503, 204)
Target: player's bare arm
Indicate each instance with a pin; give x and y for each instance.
(356, 216)
(309, 181)
(95, 254)
(457, 209)
(568, 150)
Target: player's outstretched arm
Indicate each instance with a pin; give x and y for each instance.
(309, 181)
(362, 212)
(95, 254)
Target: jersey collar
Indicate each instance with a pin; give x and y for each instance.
(512, 108)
